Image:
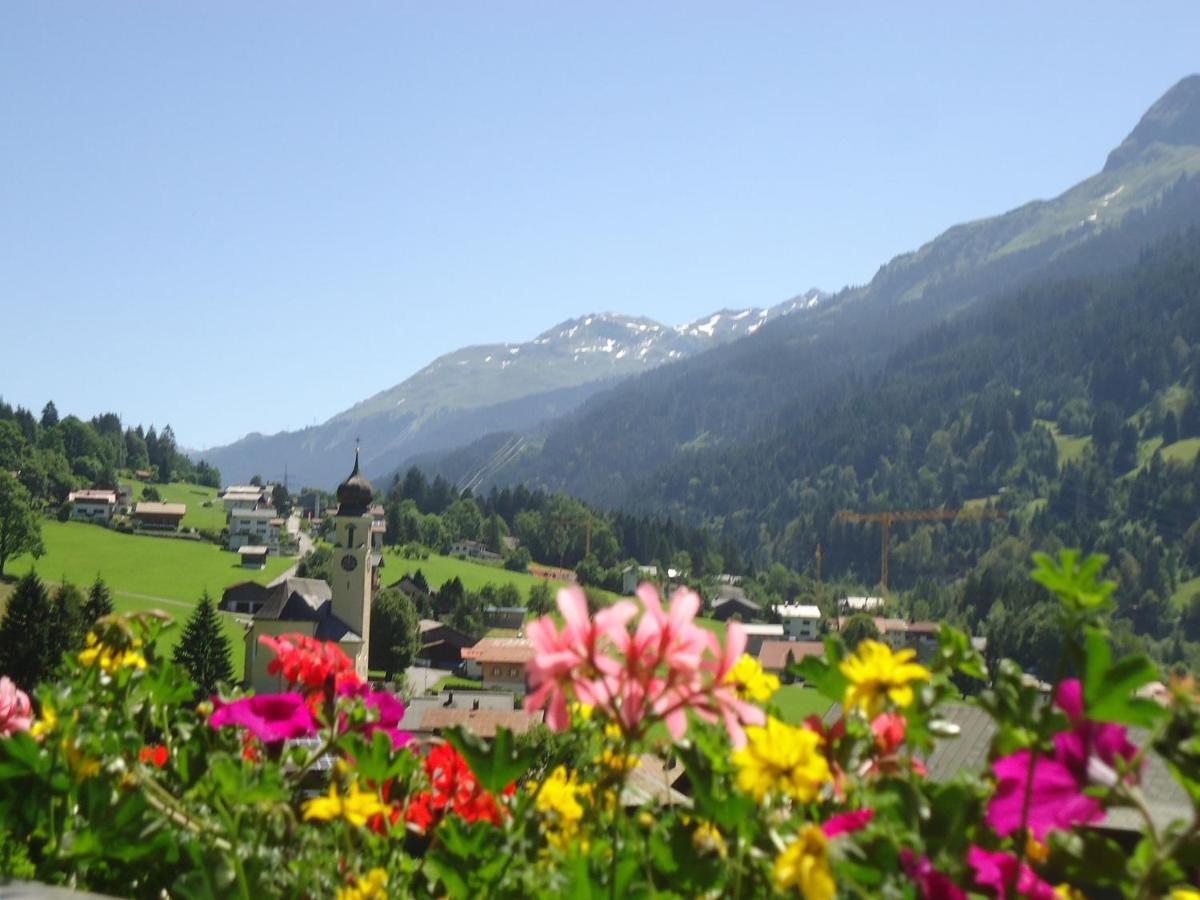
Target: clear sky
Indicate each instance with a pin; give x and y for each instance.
(237, 216)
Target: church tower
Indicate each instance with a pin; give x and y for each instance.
(352, 551)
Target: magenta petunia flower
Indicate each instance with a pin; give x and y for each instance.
(1056, 798)
(16, 714)
(847, 822)
(931, 884)
(389, 713)
(1086, 754)
(269, 717)
(1007, 876)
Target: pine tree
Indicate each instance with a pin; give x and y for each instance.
(203, 649)
(99, 602)
(67, 625)
(25, 634)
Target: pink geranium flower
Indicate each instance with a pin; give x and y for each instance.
(847, 822)
(1007, 876)
(16, 714)
(734, 711)
(269, 717)
(576, 657)
(931, 884)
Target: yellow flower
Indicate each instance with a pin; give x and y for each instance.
(1035, 851)
(783, 758)
(804, 865)
(750, 681)
(81, 765)
(46, 724)
(875, 671)
(369, 887)
(110, 659)
(559, 800)
(580, 712)
(356, 807)
(1066, 892)
(707, 839)
(1185, 893)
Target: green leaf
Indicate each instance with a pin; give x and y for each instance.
(496, 765)
(823, 673)
(1108, 688)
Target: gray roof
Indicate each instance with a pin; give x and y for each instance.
(261, 512)
(1165, 799)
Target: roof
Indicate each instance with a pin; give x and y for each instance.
(429, 625)
(1165, 799)
(798, 611)
(923, 627)
(92, 496)
(483, 722)
(147, 508)
(650, 781)
(501, 650)
(247, 490)
(504, 609)
(763, 630)
(772, 655)
(355, 493)
(262, 512)
(861, 602)
(251, 550)
(297, 599)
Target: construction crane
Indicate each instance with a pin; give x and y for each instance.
(885, 518)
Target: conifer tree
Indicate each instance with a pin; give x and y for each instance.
(25, 655)
(203, 649)
(67, 625)
(99, 602)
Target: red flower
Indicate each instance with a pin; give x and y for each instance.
(308, 662)
(453, 789)
(156, 755)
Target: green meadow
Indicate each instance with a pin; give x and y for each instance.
(439, 569)
(143, 572)
(198, 516)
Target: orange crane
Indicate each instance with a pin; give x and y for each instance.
(885, 518)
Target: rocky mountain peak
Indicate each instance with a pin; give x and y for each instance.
(1173, 120)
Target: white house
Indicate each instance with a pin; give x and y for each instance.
(860, 604)
(93, 506)
(242, 496)
(259, 527)
(632, 576)
(801, 622)
(473, 550)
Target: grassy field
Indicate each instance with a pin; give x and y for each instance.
(199, 516)
(439, 569)
(144, 572)
(797, 702)
(1070, 447)
(1181, 451)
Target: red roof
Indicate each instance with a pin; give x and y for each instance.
(483, 722)
(501, 650)
(773, 655)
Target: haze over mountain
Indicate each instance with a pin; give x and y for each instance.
(465, 394)
(619, 447)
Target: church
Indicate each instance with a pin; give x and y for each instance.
(340, 611)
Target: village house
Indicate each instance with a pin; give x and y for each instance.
(243, 496)
(153, 516)
(632, 576)
(859, 604)
(776, 656)
(93, 505)
(246, 597)
(501, 662)
(758, 633)
(512, 617)
(473, 550)
(481, 712)
(257, 526)
(801, 622)
(441, 645)
(252, 556)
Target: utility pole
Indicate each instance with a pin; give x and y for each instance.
(885, 518)
(818, 555)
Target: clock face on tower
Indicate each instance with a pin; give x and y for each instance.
(349, 562)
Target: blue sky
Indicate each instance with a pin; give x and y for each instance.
(248, 216)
